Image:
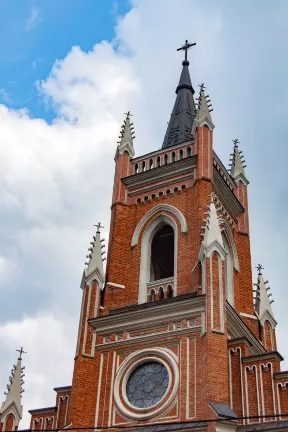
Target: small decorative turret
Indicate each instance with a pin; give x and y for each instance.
(237, 164)
(126, 137)
(263, 300)
(95, 256)
(203, 116)
(11, 408)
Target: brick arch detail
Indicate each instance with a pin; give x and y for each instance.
(159, 208)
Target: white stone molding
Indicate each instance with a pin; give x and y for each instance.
(249, 369)
(115, 285)
(98, 391)
(111, 390)
(230, 240)
(232, 352)
(245, 315)
(145, 260)
(157, 209)
(163, 356)
(265, 367)
(80, 319)
(194, 372)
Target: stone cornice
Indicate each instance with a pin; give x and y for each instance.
(63, 389)
(161, 312)
(273, 355)
(239, 330)
(239, 341)
(159, 173)
(281, 375)
(47, 410)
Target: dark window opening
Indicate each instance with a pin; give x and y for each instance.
(151, 164)
(189, 152)
(166, 159)
(173, 157)
(152, 295)
(181, 154)
(158, 161)
(162, 254)
(169, 291)
(161, 293)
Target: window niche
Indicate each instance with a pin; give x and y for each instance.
(162, 254)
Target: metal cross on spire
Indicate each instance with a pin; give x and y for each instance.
(259, 267)
(21, 351)
(185, 47)
(202, 86)
(128, 114)
(235, 141)
(98, 226)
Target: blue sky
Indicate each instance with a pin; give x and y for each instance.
(68, 72)
(35, 33)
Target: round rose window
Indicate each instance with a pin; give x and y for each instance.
(147, 384)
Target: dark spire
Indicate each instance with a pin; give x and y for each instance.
(180, 127)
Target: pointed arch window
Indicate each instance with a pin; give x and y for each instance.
(162, 254)
(181, 154)
(169, 291)
(158, 161)
(165, 159)
(173, 156)
(189, 151)
(161, 293)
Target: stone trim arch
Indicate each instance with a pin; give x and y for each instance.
(145, 257)
(231, 242)
(160, 207)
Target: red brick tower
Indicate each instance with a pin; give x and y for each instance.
(171, 334)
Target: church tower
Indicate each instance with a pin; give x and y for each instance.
(172, 336)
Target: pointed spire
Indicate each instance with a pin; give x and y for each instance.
(212, 231)
(12, 403)
(203, 116)
(237, 164)
(263, 300)
(96, 256)
(126, 137)
(180, 126)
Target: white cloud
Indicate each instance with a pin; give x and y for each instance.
(56, 180)
(34, 19)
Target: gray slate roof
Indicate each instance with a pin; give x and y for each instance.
(264, 426)
(179, 128)
(170, 427)
(223, 410)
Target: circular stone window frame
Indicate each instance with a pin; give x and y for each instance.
(168, 359)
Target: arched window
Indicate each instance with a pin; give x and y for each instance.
(169, 291)
(189, 151)
(150, 163)
(161, 293)
(181, 154)
(143, 166)
(165, 159)
(162, 254)
(158, 161)
(136, 168)
(152, 295)
(173, 156)
(228, 272)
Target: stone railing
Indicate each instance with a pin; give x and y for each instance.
(160, 289)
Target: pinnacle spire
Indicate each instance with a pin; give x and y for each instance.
(237, 162)
(203, 116)
(262, 301)
(212, 228)
(126, 137)
(96, 256)
(180, 126)
(12, 403)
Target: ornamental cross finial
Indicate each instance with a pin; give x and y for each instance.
(98, 226)
(235, 141)
(128, 114)
(21, 351)
(202, 86)
(185, 47)
(259, 267)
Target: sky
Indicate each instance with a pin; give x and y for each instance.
(69, 70)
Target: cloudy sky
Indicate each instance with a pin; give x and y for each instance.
(68, 71)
